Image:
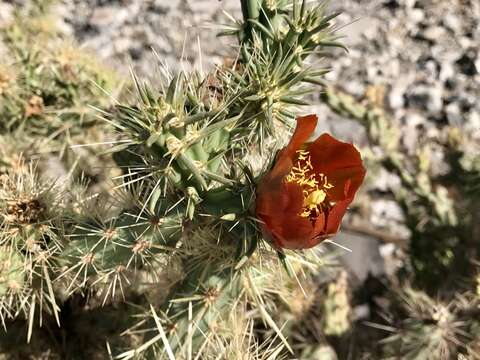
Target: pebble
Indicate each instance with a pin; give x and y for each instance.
(467, 63)
(361, 312)
(473, 124)
(417, 15)
(447, 71)
(384, 211)
(453, 113)
(109, 16)
(396, 97)
(355, 87)
(425, 97)
(386, 181)
(452, 22)
(438, 164)
(433, 33)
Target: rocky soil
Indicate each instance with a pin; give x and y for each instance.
(130, 32)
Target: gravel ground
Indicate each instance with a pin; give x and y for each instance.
(426, 55)
(127, 31)
(423, 56)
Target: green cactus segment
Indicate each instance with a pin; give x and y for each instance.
(431, 329)
(30, 239)
(12, 271)
(275, 41)
(202, 299)
(251, 12)
(337, 308)
(127, 242)
(185, 140)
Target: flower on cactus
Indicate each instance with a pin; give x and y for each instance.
(302, 200)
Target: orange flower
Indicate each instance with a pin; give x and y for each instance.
(302, 200)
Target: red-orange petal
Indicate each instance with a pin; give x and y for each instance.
(329, 154)
(279, 208)
(305, 127)
(340, 162)
(335, 216)
(346, 183)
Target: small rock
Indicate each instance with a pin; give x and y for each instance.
(393, 262)
(447, 71)
(433, 33)
(413, 120)
(467, 63)
(6, 14)
(467, 101)
(430, 130)
(387, 250)
(454, 115)
(409, 4)
(438, 165)
(364, 257)
(409, 138)
(386, 181)
(396, 97)
(465, 42)
(431, 69)
(452, 22)
(323, 352)
(426, 97)
(473, 124)
(354, 88)
(393, 69)
(384, 210)
(109, 16)
(417, 15)
(387, 214)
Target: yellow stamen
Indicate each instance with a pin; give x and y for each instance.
(315, 198)
(314, 191)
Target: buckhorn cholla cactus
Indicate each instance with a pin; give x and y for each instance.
(190, 191)
(185, 146)
(189, 141)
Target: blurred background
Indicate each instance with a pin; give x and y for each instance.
(407, 281)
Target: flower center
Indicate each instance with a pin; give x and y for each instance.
(314, 185)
